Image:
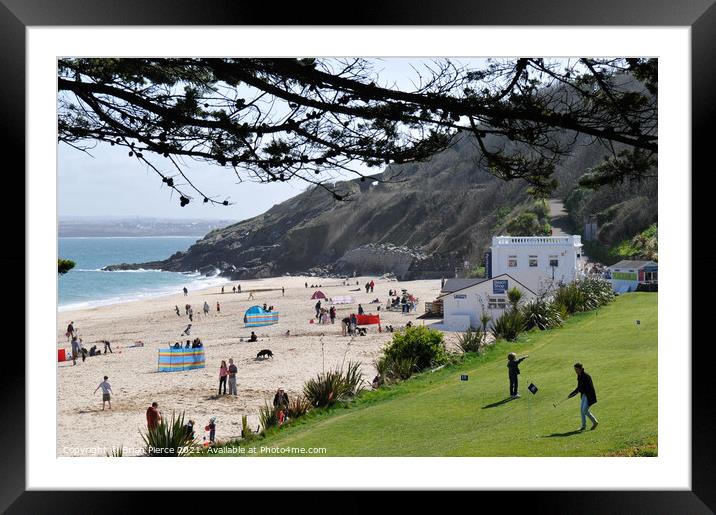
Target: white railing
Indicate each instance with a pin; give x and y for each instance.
(537, 240)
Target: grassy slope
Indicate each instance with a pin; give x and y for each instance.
(436, 414)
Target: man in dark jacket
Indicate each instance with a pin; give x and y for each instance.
(513, 369)
(585, 386)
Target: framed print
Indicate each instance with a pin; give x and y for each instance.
(289, 242)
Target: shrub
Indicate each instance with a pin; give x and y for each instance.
(330, 387)
(423, 345)
(395, 369)
(597, 292)
(168, 439)
(514, 296)
(569, 298)
(471, 341)
(541, 314)
(584, 295)
(509, 325)
(268, 416)
(298, 406)
(246, 432)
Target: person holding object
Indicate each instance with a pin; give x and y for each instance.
(513, 368)
(585, 386)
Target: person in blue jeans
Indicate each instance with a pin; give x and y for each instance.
(585, 386)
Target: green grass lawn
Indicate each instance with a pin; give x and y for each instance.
(436, 414)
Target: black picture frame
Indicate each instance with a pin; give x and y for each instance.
(699, 15)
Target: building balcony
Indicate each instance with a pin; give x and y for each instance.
(571, 240)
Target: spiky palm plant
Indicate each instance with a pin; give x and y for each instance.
(168, 438)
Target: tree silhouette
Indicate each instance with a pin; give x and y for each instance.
(284, 119)
(64, 266)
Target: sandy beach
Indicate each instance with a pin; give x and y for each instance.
(82, 425)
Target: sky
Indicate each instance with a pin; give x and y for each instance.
(108, 183)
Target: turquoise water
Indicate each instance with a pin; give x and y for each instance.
(86, 285)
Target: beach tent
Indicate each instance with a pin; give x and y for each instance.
(368, 319)
(343, 299)
(318, 294)
(176, 360)
(255, 316)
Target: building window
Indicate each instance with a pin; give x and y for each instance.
(533, 261)
(512, 261)
(496, 302)
(553, 261)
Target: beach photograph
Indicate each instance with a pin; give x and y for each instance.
(357, 257)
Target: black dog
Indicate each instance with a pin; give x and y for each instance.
(362, 331)
(265, 353)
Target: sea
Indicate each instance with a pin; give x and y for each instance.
(86, 285)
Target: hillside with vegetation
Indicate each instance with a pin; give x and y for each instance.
(448, 205)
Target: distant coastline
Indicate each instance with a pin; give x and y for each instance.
(137, 228)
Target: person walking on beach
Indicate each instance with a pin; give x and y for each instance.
(106, 391)
(251, 294)
(283, 291)
(187, 331)
(232, 377)
(372, 286)
(206, 308)
(306, 284)
(360, 309)
(186, 292)
(233, 289)
(332, 314)
(75, 350)
(191, 314)
(585, 386)
(223, 373)
(238, 288)
(218, 307)
(153, 416)
(176, 308)
(318, 308)
(222, 289)
(513, 369)
(70, 331)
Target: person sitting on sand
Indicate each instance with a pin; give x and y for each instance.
(265, 307)
(253, 337)
(93, 351)
(177, 345)
(287, 333)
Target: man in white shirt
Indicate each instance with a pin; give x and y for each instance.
(106, 390)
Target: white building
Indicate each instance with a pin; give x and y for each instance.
(538, 262)
(462, 308)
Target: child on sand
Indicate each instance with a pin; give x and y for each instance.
(211, 427)
(514, 370)
(106, 391)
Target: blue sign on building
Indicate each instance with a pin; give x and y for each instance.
(499, 286)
